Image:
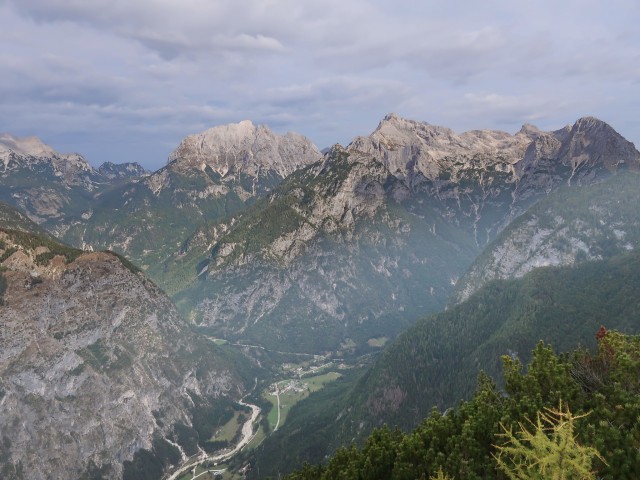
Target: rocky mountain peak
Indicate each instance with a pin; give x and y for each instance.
(20, 151)
(245, 148)
(114, 171)
(31, 146)
(589, 123)
(529, 130)
(415, 151)
(396, 129)
(583, 150)
(418, 152)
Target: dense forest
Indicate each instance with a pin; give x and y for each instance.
(567, 416)
(436, 362)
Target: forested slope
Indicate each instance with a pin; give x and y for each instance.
(599, 439)
(436, 362)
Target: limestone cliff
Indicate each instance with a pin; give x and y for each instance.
(569, 226)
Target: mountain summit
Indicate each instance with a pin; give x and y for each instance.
(420, 152)
(31, 153)
(417, 151)
(245, 148)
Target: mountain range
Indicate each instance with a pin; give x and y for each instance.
(377, 234)
(259, 239)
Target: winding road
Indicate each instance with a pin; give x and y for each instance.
(278, 397)
(247, 435)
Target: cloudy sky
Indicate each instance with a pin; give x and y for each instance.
(126, 80)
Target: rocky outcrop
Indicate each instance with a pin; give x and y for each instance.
(128, 170)
(419, 152)
(244, 148)
(329, 197)
(569, 226)
(95, 363)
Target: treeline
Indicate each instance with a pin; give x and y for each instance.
(567, 416)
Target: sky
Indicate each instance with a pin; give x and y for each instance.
(126, 80)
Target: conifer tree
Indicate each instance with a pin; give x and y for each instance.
(549, 451)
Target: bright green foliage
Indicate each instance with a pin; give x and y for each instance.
(475, 440)
(555, 455)
(440, 476)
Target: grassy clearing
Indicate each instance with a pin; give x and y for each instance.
(377, 342)
(319, 381)
(228, 430)
(257, 439)
(292, 391)
(273, 413)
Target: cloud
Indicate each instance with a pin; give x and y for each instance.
(155, 71)
(173, 28)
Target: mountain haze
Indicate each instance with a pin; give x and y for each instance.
(376, 234)
(436, 362)
(570, 226)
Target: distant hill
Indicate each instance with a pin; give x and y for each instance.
(53, 189)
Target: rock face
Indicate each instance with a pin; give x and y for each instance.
(569, 226)
(245, 149)
(419, 152)
(53, 188)
(95, 363)
(486, 178)
(333, 250)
